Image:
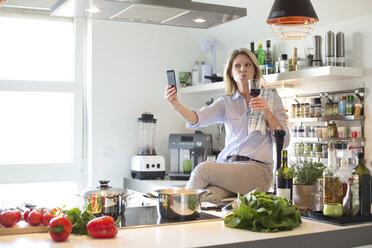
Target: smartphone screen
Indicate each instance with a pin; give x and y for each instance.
(171, 78)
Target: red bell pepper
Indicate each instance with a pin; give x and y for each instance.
(102, 228)
(59, 228)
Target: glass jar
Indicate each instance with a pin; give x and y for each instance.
(298, 111)
(300, 131)
(329, 109)
(308, 149)
(312, 111)
(295, 149)
(300, 149)
(294, 131)
(358, 109)
(311, 132)
(317, 147)
(302, 107)
(293, 109)
(332, 130)
(307, 110)
(335, 109)
(318, 112)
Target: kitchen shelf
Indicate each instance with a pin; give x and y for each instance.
(330, 118)
(325, 140)
(324, 73)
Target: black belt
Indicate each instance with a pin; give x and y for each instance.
(235, 158)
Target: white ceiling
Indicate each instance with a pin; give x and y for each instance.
(253, 26)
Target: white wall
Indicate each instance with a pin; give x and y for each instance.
(128, 78)
(129, 62)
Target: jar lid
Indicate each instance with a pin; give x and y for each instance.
(104, 190)
(358, 105)
(340, 145)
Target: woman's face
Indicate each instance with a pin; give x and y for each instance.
(242, 69)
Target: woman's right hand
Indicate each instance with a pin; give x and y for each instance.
(170, 95)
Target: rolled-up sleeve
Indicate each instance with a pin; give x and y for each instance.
(209, 115)
(280, 114)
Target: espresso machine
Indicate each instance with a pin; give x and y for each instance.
(186, 152)
(147, 164)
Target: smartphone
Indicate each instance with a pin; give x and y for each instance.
(171, 78)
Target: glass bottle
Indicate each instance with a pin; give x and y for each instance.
(342, 106)
(284, 177)
(284, 64)
(363, 175)
(268, 55)
(294, 59)
(261, 54)
(351, 200)
(332, 130)
(252, 48)
(332, 188)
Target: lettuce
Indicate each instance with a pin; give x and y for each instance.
(260, 212)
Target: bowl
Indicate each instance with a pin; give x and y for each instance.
(333, 209)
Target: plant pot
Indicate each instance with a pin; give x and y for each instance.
(301, 195)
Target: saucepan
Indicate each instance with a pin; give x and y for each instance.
(179, 204)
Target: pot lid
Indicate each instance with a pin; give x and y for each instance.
(104, 190)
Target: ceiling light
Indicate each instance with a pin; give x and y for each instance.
(92, 9)
(199, 20)
(292, 19)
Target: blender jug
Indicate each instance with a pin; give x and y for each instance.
(147, 132)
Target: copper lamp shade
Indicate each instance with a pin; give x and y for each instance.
(292, 19)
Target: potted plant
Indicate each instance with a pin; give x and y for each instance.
(306, 174)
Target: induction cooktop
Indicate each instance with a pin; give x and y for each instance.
(149, 216)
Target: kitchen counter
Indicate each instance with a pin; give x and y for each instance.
(209, 234)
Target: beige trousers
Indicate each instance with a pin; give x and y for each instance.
(228, 179)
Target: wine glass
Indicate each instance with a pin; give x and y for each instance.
(255, 88)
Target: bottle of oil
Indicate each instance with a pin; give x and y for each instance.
(363, 175)
(332, 187)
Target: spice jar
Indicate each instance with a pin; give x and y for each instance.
(329, 109)
(332, 130)
(298, 111)
(293, 109)
(349, 104)
(307, 110)
(358, 109)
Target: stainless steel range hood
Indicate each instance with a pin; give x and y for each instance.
(183, 13)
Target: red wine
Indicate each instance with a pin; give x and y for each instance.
(254, 92)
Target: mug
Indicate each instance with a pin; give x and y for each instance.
(355, 132)
(187, 165)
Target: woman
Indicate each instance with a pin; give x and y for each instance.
(246, 162)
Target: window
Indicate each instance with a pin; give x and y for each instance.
(41, 102)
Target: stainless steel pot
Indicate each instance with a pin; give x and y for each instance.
(179, 204)
(106, 200)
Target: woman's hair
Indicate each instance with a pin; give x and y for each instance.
(230, 84)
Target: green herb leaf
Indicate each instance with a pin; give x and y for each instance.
(79, 220)
(261, 212)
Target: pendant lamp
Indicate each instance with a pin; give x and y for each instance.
(292, 19)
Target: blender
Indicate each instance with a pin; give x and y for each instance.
(147, 164)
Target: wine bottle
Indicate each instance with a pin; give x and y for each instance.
(252, 49)
(268, 56)
(363, 175)
(284, 177)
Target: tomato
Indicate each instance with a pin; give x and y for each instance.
(25, 215)
(34, 218)
(59, 228)
(57, 211)
(102, 227)
(19, 215)
(8, 218)
(46, 218)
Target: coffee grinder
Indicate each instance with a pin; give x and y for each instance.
(147, 164)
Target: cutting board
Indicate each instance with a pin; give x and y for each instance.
(22, 227)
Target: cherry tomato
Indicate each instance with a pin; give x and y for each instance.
(46, 218)
(8, 218)
(25, 215)
(34, 218)
(19, 215)
(102, 227)
(57, 211)
(59, 228)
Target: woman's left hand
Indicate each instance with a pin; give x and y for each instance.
(257, 104)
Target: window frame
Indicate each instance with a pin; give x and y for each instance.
(75, 171)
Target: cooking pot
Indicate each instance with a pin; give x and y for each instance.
(106, 200)
(179, 204)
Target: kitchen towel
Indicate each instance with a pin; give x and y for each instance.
(256, 120)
